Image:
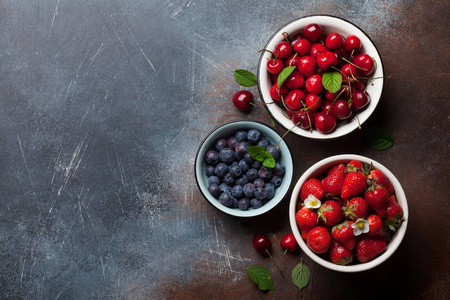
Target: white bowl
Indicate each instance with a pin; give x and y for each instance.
(318, 169)
(225, 131)
(328, 24)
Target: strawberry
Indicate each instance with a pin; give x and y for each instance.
(368, 248)
(376, 227)
(393, 217)
(330, 213)
(377, 198)
(339, 254)
(319, 240)
(343, 233)
(357, 208)
(312, 186)
(354, 184)
(306, 219)
(354, 166)
(332, 184)
(381, 179)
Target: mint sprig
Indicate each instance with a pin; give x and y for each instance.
(261, 276)
(300, 275)
(245, 78)
(260, 153)
(378, 138)
(332, 81)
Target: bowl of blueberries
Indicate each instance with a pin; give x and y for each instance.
(244, 168)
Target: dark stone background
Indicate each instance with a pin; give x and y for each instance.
(104, 103)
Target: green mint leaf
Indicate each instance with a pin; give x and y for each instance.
(300, 275)
(245, 78)
(378, 138)
(261, 276)
(269, 161)
(257, 152)
(284, 75)
(332, 81)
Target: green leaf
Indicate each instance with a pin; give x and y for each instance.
(378, 138)
(269, 162)
(332, 81)
(284, 75)
(261, 276)
(300, 275)
(257, 152)
(245, 78)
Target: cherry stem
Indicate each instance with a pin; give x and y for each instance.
(282, 137)
(354, 64)
(275, 262)
(270, 118)
(287, 37)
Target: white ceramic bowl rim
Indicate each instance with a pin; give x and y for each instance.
(319, 168)
(280, 192)
(324, 20)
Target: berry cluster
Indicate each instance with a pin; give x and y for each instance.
(236, 178)
(327, 78)
(350, 210)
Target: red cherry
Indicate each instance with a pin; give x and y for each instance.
(348, 72)
(340, 110)
(275, 66)
(360, 84)
(326, 60)
(288, 242)
(277, 93)
(334, 41)
(294, 81)
(262, 244)
(312, 32)
(302, 47)
(303, 119)
(330, 96)
(316, 49)
(360, 100)
(326, 106)
(364, 63)
(324, 123)
(292, 60)
(313, 102)
(314, 84)
(342, 55)
(283, 50)
(294, 99)
(295, 39)
(242, 100)
(348, 91)
(307, 65)
(352, 43)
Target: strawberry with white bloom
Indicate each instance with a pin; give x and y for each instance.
(312, 202)
(360, 226)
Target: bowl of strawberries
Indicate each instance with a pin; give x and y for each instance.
(348, 213)
(320, 76)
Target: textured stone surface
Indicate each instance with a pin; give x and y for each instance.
(103, 105)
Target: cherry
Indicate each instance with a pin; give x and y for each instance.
(262, 244)
(342, 55)
(364, 63)
(288, 242)
(294, 99)
(360, 84)
(275, 66)
(348, 91)
(326, 106)
(242, 100)
(313, 102)
(303, 119)
(340, 110)
(312, 32)
(307, 65)
(302, 47)
(294, 81)
(324, 123)
(348, 72)
(360, 99)
(334, 41)
(316, 49)
(283, 50)
(314, 84)
(292, 60)
(326, 60)
(352, 43)
(277, 93)
(295, 39)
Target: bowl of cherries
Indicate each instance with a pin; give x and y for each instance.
(348, 213)
(244, 168)
(320, 76)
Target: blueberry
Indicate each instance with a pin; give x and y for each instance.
(249, 190)
(244, 165)
(263, 142)
(214, 189)
(225, 187)
(241, 135)
(227, 155)
(248, 158)
(279, 169)
(276, 180)
(244, 204)
(226, 199)
(221, 169)
(228, 179)
(260, 193)
(235, 169)
(255, 203)
(270, 191)
(241, 148)
(220, 144)
(209, 170)
(242, 180)
(253, 136)
(212, 157)
(256, 164)
(235, 202)
(231, 142)
(265, 173)
(252, 174)
(272, 149)
(259, 182)
(237, 191)
(213, 179)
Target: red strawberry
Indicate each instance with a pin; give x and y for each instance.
(343, 233)
(368, 248)
(354, 166)
(332, 184)
(357, 208)
(306, 220)
(354, 184)
(376, 227)
(319, 240)
(330, 213)
(381, 179)
(394, 215)
(312, 186)
(339, 254)
(377, 198)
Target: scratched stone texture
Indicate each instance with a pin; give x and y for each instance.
(103, 105)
